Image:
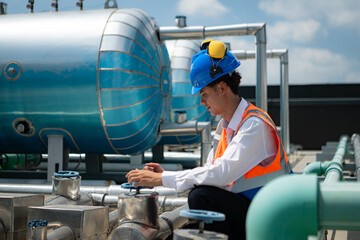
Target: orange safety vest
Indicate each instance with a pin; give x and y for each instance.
(259, 175)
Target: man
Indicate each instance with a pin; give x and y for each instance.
(247, 151)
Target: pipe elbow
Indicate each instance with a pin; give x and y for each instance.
(282, 206)
(318, 168)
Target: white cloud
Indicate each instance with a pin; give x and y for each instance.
(306, 66)
(297, 31)
(336, 12)
(312, 66)
(202, 8)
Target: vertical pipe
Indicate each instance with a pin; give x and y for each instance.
(3, 8)
(284, 101)
(261, 80)
(356, 141)
(55, 154)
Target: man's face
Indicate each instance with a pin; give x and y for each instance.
(210, 98)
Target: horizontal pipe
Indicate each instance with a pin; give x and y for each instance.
(112, 200)
(251, 54)
(201, 32)
(114, 167)
(170, 221)
(339, 205)
(181, 129)
(110, 190)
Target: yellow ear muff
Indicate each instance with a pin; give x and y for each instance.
(205, 43)
(216, 49)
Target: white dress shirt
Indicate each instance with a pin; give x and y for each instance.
(251, 145)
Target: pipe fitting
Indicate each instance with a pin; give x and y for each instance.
(318, 168)
(335, 167)
(295, 207)
(282, 206)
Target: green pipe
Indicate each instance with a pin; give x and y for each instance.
(317, 168)
(296, 206)
(339, 206)
(334, 172)
(12, 161)
(285, 208)
(332, 169)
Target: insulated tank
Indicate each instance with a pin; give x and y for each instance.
(181, 53)
(100, 78)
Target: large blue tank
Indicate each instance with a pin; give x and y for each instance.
(181, 53)
(100, 78)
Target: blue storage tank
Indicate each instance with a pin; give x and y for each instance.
(100, 78)
(181, 53)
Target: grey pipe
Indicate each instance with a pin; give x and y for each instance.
(114, 167)
(356, 142)
(191, 128)
(113, 219)
(3, 8)
(282, 54)
(110, 190)
(257, 29)
(170, 221)
(112, 200)
(284, 101)
(61, 233)
(261, 70)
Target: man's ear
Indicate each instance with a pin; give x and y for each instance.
(221, 86)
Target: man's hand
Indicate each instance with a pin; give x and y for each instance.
(144, 178)
(154, 167)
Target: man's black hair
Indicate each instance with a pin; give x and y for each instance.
(233, 80)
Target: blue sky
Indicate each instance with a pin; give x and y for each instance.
(322, 36)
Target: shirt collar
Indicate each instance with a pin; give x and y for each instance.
(237, 117)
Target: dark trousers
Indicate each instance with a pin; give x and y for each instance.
(232, 205)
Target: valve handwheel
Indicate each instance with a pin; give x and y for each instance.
(66, 174)
(203, 216)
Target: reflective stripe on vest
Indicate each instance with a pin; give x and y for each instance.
(259, 175)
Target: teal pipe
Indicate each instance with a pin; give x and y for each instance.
(333, 169)
(334, 172)
(297, 206)
(339, 205)
(281, 207)
(12, 161)
(318, 168)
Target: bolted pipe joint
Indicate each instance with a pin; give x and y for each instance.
(286, 208)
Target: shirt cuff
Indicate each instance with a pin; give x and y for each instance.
(168, 179)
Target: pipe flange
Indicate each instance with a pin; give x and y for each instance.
(12, 71)
(334, 166)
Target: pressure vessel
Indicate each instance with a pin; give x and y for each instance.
(99, 78)
(181, 53)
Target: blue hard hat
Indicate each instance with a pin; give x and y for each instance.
(205, 69)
